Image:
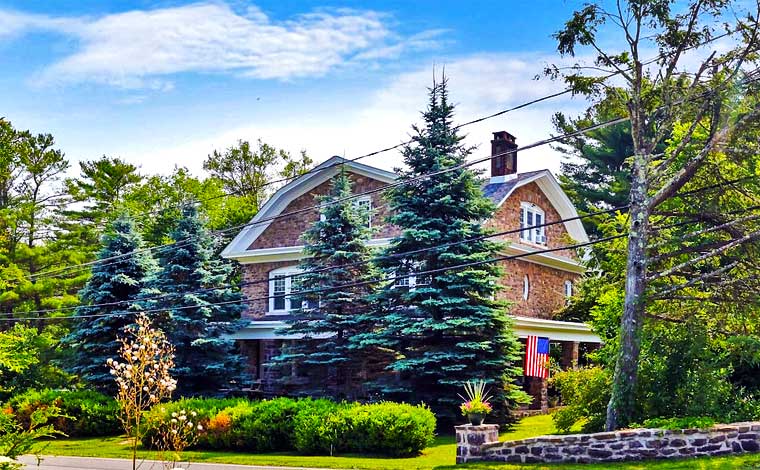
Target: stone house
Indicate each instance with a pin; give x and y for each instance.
(536, 285)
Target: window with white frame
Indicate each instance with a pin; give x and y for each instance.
(364, 204)
(568, 288)
(526, 287)
(406, 280)
(532, 222)
(282, 286)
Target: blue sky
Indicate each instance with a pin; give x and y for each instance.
(164, 83)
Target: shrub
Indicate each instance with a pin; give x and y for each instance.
(585, 393)
(395, 429)
(83, 413)
(306, 425)
(687, 422)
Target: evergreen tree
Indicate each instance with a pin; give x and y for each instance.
(331, 318)
(445, 328)
(121, 279)
(206, 359)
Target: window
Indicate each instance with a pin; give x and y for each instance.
(364, 204)
(568, 288)
(526, 287)
(410, 281)
(531, 224)
(281, 286)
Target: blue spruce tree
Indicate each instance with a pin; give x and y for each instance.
(118, 281)
(336, 254)
(191, 280)
(446, 328)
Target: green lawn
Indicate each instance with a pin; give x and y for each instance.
(440, 456)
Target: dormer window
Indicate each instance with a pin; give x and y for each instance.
(532, 222)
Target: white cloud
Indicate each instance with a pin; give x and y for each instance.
(480, 84)
(141, 48)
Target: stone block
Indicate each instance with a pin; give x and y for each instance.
(750, 446)
(599, 453)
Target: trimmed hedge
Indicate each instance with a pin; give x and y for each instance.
(84, 413)
(315, 427)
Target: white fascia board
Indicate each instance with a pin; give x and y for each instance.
(286, 253)
(554, 330)
(283, 196)
(550, 260)
(523, 327)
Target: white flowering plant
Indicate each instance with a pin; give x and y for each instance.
(175, 433)
(143, 375)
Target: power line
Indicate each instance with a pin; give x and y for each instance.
(339, 200)
(343, 266)
(338, 287)
(568, 90)
(383, 257)
(354, 196)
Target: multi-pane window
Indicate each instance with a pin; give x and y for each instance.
(531, 224)
(283, 292)
(410, 281)
(364, 204)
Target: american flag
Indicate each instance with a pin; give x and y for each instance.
(537, 357)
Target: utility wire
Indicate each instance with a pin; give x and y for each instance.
(333, 288)
(372, 259)
(354, 196)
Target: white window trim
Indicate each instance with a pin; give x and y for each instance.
(531, 234)
(411, 281)
(526, 287)
(368, 201)
(282, 272)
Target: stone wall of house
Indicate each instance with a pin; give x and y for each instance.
(480, 443)
(547, 288)
(287, 231)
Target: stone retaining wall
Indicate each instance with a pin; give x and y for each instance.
(480, 443)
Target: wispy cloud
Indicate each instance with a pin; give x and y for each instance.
(143, 48)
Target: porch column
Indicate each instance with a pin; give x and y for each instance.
(570, 354)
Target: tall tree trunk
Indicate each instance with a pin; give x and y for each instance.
(621, 406)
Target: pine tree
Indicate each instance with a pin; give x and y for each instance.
(445, 327)
(121, 279)
(336, 253)
(206, 359)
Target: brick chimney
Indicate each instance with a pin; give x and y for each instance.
(503, 165)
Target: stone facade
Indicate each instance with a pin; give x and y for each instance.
(480, 443)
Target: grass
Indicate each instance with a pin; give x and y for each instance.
(439, 456)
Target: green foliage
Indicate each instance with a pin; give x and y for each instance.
(246, 170)
(447, 329)
(199, 309)
(25, 360)
(336, 254)
(585, 393)
(82, 413)
(314, 427)
(17, 440)
(687, 422)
